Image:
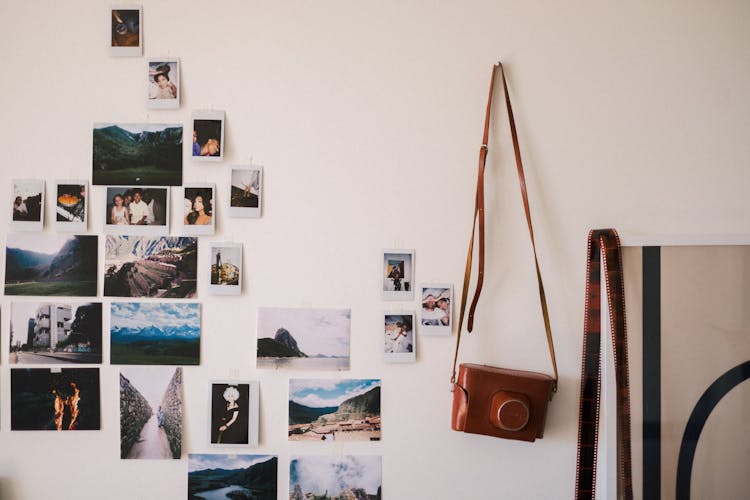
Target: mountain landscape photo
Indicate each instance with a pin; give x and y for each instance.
(49, 264)
(335, 410)
(155, 334)
(240, 477)
(137, 154)
(162, 267)
(316, 339)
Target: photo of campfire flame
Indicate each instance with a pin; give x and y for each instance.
(70, 402)
(63, 400)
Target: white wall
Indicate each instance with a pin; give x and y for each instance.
(367, 117)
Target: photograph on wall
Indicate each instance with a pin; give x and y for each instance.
(150, 267)
(142, 154)
(334, 410)
(163, 83)
(71, 210)
(150, 412)
(303, 339)
(234, 413)
(152, 333)
(220, 476)
(49, 399)
(137, 210)
(399, 344)
(28, 204)
(245, 196)
(198, 206)
(398, 275)
(347, 476)
(689, 358)
(208, 135)
(435, 316)
(51, 264)
(125, 30)
(55, 333)
(226, 268)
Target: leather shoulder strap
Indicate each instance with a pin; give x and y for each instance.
(479, 220)
(603, 245)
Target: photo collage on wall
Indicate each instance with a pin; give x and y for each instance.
(149, 283)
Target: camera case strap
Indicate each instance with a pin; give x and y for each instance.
(501, 402)
(603, 246)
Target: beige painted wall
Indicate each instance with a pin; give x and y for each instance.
(367, 118)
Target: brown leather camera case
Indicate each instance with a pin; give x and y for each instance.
(500, 402)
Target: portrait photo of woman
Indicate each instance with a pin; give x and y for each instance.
(229, 413)
(164, 83)
(199, 203)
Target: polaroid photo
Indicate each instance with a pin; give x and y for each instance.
(155, 333)
(28, 204)
(142, 210)
(436, 317)
(151, 402)
(226, 268)
(126, 38)
(55, 333)
(224, 476)
(399, 339)
(334, 410)
(163, 88)
(303, 339)
(245, 197)
(234, 413)
(51, 264)
(143, 154)
(321, 476)
(71, 207)
(198, 209)
(55, 399)
(208, 135)
(398, 275)
(138, 266)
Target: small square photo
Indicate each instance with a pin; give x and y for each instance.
(398, 275)
(245, 194)
(226, 268)
(437, 307)
(125, 30)
(399, 341)
(163, 83)
(28, 204)
(208, 135)
(198, 213)
(70, 205)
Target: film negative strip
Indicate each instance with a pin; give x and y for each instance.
(603, 245)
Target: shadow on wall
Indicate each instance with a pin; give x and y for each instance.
(7, 492)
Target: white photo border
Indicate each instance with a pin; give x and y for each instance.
(126, 51)
(396, 294)
(72, 226)
(225, 289)
(207, 114)
(191, 229)
(134, 229)
(401, 357)
(165, 103)
(253, 415)
(25, 225)
(246, 212)
(438, 330)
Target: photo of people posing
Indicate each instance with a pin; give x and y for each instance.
(28, 204)
(436, 309)
(198, 209)
(163, 83)
(137, 210)
(208, 135)
(398, 275)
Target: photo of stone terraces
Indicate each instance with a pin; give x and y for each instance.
(150, 267)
